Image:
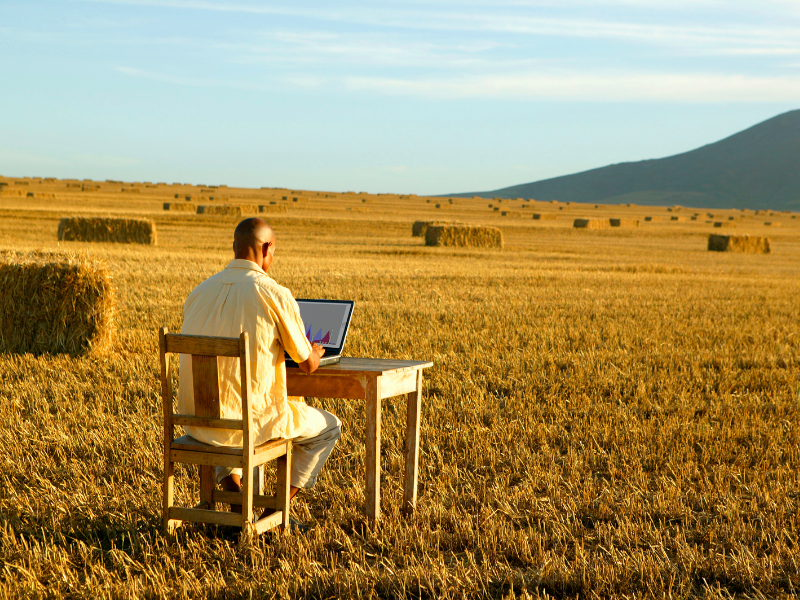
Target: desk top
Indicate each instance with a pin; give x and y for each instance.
(366, 366)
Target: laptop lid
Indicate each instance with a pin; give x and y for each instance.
(326, 322)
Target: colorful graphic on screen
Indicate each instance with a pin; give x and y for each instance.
(324, 323)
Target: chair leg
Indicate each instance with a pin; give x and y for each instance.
(282, 499)
(168, 493)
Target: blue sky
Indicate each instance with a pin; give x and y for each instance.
(408, 97)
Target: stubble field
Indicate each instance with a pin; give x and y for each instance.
(611, 413)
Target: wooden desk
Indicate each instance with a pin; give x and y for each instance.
(372, 379)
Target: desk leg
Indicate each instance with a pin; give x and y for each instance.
(373, 449)
(413, 411)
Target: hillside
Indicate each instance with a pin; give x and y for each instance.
(757, 168)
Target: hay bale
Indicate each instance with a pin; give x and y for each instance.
(272, 208)
(771, 224)
(652, 219)
(420, 228)
(235, 210)
(180, 206)
(107, 229)
(725, 224)
(443, 206)
(738, 243)
(463, 236)
(544, 217)
(591, 224)
(55, 303)
(623, 222)
(680, 219)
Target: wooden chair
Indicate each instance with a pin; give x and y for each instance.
(185, 449)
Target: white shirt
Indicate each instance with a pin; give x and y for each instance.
(244, 298)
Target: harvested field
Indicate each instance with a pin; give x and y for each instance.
(591, 223)
(739, 243)
(609, 415)
(464, 236)
(107, 229)
(54, 303)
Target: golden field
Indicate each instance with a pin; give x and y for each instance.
(612, 412)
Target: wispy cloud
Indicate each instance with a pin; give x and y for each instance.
(593, 87)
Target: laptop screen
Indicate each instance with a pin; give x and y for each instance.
(326, 322)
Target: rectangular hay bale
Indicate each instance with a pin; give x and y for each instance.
(56, 303)
(623, 222)
(544, 217)
(180, 206)
(107, 229)
(464, 236)
(272, 208)
(738, 243)
(235, 210)
(591, 223)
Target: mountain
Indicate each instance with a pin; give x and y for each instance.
(755, 168)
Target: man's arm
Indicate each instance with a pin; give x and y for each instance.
(311, 364)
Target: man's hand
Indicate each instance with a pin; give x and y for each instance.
(311, 364)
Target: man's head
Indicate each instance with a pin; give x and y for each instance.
(254, 240)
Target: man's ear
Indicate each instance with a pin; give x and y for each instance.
(265, 249)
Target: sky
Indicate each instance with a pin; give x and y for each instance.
(429, 97)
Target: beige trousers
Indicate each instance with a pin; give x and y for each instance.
(310, 450)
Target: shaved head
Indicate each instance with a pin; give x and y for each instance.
(252, 240)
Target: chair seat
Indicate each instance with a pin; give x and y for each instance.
(187, 442)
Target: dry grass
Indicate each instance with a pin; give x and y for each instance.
(463, 236)
(54, 303)
(108, 229)
(610, 415)
(739, 243)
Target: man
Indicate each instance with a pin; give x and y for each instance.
(240, 298)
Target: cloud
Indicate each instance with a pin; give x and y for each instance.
(592, 87)
(700, 27)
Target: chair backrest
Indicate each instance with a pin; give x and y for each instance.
(204, 351)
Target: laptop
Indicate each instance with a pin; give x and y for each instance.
(325, 322)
